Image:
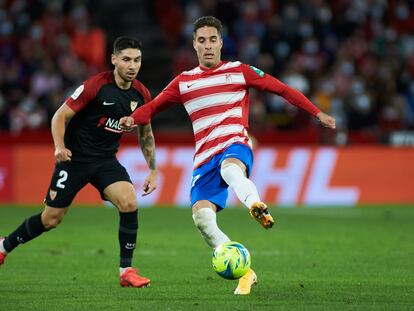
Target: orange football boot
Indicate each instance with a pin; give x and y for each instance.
(245, 283)
(131, 278)
(261, 214)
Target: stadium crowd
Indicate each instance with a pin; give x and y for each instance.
(354, 59)
(46, 48)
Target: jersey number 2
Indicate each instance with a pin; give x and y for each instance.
(63, 176)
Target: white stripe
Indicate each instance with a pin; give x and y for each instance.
(207, 101)
(228, 66)
(205, 122)
(201, 157)
(220, 131)
(191, 72)
(216, 80)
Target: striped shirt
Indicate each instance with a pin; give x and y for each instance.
(216, 100)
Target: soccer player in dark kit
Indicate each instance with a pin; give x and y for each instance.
(86, 135)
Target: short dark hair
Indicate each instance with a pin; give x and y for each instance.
(124, 42)
(209, 21)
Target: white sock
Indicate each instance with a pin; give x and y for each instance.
(122, 270)
(244, 188)
(2, 250)
(205, 221)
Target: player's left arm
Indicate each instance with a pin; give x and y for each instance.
(147, 143)
(258, 79)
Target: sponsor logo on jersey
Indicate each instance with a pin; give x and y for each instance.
(102, 121)
(258, 71)
(105, 103)
(52, 194)
(190, 84)
(133, 104)
(109, 124)
(77, 92)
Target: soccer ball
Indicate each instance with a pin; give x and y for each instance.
(231, 260)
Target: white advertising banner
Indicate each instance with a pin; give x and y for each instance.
(289, 178)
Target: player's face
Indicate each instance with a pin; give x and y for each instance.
(127, 64)
(208, 43)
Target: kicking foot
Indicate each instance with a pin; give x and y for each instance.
(261, 214)
(131, 278)
(2, 255)
(245, 283)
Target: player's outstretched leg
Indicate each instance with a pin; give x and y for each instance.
(247, 193)
(260, 213)
(245, 283)
(131, 278)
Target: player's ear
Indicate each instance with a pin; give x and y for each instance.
(113, 59)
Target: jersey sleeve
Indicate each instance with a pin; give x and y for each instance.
(83, 95)
(168, 97)
(147, 95)
(141, 88)
(259, 80)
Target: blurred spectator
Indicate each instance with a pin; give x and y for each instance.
(88, 42)
(348, 56)
(46, 47)
(355, 59)
(170, 18)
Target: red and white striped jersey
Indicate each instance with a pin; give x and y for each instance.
(216, 100)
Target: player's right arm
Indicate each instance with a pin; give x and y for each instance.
(168, 97)
(77, 101)
(59, 121)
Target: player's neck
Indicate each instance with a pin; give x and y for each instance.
(121, 83)
(210, 66)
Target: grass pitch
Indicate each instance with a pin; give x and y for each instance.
(314, 259)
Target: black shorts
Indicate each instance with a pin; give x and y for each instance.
(70, 177)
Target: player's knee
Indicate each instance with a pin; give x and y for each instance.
(51, 222)
(231, 173)
(127, 205)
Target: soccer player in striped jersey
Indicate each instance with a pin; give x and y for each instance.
(215, 95)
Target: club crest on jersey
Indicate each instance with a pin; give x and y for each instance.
(133, 104)
(228, 78)
(52, 194)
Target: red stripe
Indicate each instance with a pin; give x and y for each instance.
(228, 121)
(217, 152)
(219, 140)
(210, 111)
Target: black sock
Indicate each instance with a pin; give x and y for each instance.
(30, 228)
(127, 235)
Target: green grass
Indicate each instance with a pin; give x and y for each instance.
(315, 259)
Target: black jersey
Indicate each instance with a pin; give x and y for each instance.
(94, 131)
